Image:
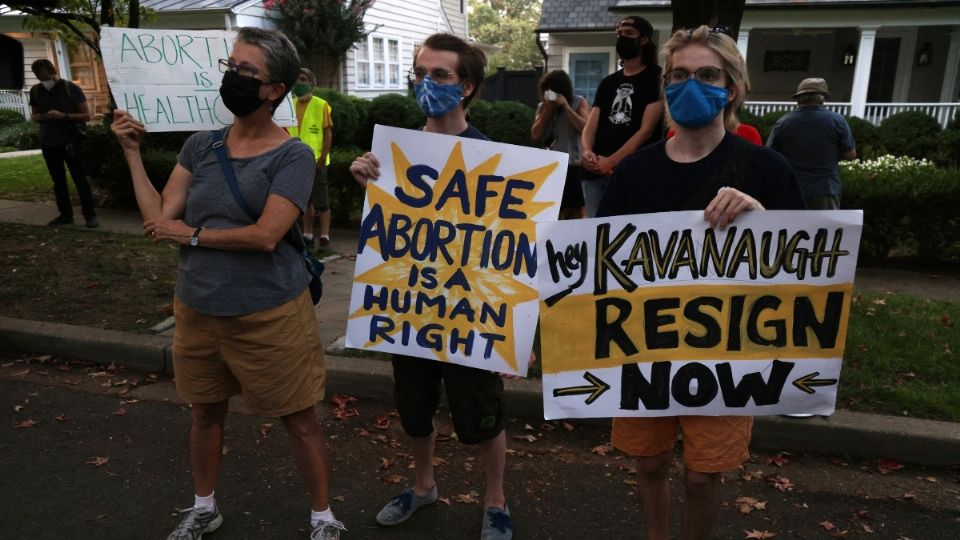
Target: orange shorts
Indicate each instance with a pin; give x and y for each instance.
(273, 357)
(710, 443)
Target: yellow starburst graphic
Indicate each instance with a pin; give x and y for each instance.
(457, 246)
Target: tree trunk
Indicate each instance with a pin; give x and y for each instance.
(106, 13)
(713, 13)
(133, 19)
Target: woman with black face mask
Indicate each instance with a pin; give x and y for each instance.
(245, 321)
(627, 112)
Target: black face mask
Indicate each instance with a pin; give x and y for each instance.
(628, 47)
(241, 95)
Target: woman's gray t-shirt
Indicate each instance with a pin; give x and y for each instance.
(233, 283)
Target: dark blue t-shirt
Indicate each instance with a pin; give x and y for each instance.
(473, 133)
(648, 181)
(812, 139)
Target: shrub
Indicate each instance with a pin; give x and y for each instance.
(22, 136)
(766, 122)
(395, 110)
(8, 117)
(907, 203)
(106, 165)
(747, 117)
(346, 195)
(346, 120)
(948, 153)
(503, 121)
(910, 133)
(867, 138)
(363, 112)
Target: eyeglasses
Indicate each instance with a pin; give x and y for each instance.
(706, 75)
(437, 75)
(244, 70)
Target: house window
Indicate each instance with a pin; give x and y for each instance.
(83, 68)
(883, 70)
(586, 71)
(378, 63)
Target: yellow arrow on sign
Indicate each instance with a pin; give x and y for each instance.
(596, 388)
(809, 381)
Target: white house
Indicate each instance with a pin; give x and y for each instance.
(375, 66)
(878, 57)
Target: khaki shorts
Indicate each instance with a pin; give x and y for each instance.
(710, 443)
(273, 357)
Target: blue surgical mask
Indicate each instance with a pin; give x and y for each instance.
(694, 104)
(436, 100)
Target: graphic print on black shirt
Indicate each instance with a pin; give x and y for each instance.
(622, 108)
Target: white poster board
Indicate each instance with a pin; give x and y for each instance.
(170, 79)
(659, 315)
(446, 263)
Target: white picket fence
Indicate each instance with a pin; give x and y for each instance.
(17, 100)
(875, 112)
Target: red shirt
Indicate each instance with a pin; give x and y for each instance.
(745, 131)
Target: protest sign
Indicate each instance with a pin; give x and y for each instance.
(446, 260)
(170, 79)
(660, 315)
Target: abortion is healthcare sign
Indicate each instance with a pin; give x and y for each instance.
(446, 261)
(659, 315)
(170, 79)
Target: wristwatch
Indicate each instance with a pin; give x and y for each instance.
(195, 239)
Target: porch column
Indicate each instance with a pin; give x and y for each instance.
(949, 88)
(861, 73)
(742, 39)
(63, 59)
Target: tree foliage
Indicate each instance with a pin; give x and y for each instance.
(508, 25)
(79, 21)
(322, 30)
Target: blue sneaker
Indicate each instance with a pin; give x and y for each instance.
(497, 524)
(401, 507)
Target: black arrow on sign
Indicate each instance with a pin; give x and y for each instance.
(809, 381)
(596, 388)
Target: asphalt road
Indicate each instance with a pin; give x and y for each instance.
(56, 420)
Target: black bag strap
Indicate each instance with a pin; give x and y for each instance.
(228, 173)
(741, 151)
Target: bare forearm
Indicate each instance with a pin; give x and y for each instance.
(249, 238)
(148, 199)
(578, 120)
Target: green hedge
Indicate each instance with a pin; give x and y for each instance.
(346, 195)
(21, 135)
(108, 168)
(866, 136)
(503, 121)
(908, 205)
(346, 119)
(767, 121)
(9, 117)
(395, 110)
(910, 133)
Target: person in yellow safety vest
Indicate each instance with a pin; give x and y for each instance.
(315, 128)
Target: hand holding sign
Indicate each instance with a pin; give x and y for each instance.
(129, 130)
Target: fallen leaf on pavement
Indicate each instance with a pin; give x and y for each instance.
(385, 463)
(438, 461)
(394, 479)
(29, 423)
(120, 411)
(779, 460)
(931, 479)
(18, 408)
(752, 475)
(383, 422)
(568, 426)
(759, 535)
(97, 461)
(61, 418)
(265, 428)
(866, 528)
(467, 498)
(827, 525)
(602, 449)
(528, 438)
(339, 498)
(781, 483)
(444, 500)
(886, 465)
(748, 504)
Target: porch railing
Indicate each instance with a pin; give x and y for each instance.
(761, 108)
(875, 113)
(17, 100)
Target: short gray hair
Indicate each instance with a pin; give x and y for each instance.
(812, 98)
(283, 62)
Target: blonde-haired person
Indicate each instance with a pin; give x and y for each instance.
(705, 82)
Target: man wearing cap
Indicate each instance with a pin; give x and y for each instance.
(627, 111)
(814, 140)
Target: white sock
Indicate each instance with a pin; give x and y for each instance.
(308, 236)
(327, 236)
(205, 503)
(317, 517)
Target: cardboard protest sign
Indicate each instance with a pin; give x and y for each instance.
(659, 315)
(446, 262)
(170, 79)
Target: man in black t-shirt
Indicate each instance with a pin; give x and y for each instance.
(60, 108)
(627, 112)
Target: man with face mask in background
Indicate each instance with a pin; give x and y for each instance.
(447, 73)
(315, 128)
(627, 112)
(60, 108)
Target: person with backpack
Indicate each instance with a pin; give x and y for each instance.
(703, 167)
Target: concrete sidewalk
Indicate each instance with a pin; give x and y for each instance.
(844, 433)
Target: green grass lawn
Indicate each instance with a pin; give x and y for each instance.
(902, 357)
(26, 179)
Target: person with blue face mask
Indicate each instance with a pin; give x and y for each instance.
(703, 167)
(447, 73)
